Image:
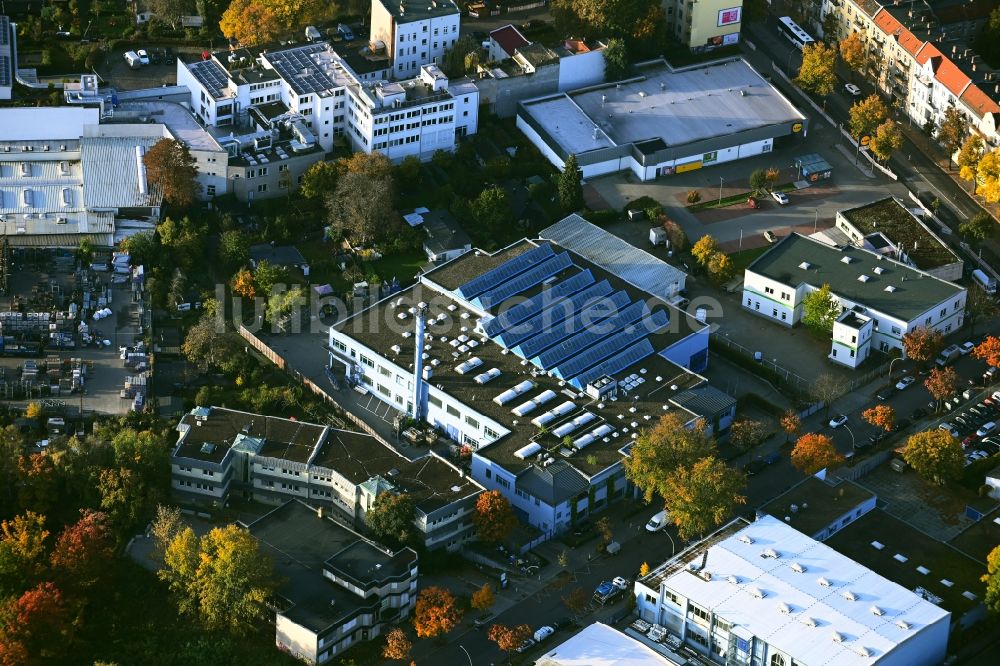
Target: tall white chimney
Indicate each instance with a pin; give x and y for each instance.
(418, 364)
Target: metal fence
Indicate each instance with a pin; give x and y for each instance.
(864, 467)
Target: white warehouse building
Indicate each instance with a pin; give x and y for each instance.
(664, 121)
(764, 593)
(881, 299)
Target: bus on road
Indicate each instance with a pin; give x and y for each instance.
(793, 33)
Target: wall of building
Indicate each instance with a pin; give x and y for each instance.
(581, 70)
(295, 639)
(413, 43)
(706, 17)
(501, 96)
(849, 345)
(274, 179)
(691, 352)
(771, 299)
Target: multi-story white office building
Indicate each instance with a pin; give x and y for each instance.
(887, 298)
(543, 360)
(765, 593)
(222, 453)
(415, 32)
(313, 90)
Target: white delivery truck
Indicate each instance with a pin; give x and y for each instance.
(658, 236)
(988, 284)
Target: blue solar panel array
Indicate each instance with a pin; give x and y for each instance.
(616, 363)
(553, 315)
(535, 304)
(505, 271)
(600, 352)
(526, 280)
(592, 314)
(594, 333)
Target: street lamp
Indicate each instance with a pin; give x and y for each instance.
(851, 433)
(890, 366)
(720, 190)
(466, 654)
(815, 219)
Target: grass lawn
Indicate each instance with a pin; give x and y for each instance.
(743, 259)
(737, 198)
(403, 266)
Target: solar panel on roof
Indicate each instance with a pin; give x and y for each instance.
(505, 271)
(5, 74)
(592, 314)
(598, 353)
(616, 363)
(534, 305)
(525, 280)
(209, 74)
(630, 314)
(553, 314)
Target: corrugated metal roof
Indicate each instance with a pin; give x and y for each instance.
(706, 401)
(553, 484)
(111, 177)
(635, 266)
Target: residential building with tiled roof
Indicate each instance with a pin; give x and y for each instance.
(505, 41)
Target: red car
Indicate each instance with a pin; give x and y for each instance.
(753, 203)
(968, 441)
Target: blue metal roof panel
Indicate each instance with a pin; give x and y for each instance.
(536, 304)
(552, 315)
(505, 271)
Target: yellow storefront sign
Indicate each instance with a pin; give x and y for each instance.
(690, 166)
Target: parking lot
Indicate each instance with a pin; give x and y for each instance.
(119, 75)
(45, 282)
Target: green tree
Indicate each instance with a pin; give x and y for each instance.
(968, 157)
(570, 185)
(494, 518)
(758, 180)
(362, 206)
(615, 18)
(952, 130)
(866, 115)
(170, 11)
(141, 247)
(978, 228)
(615, 60)
(704, 249)
(988, 41)
(456, 60)
(887, 140)
(720, 267)
(492, 210)
(171, 170)
(935, 455)
(319, 180)
(831, 26)
(657, 452)
(852, 52)
(208, 345)
(818, 73)
(282, 303)
(267, 275)
(820, 309)
(234, 249)
(701, 496)
(391, 517)
(222, 578)
(992, 580)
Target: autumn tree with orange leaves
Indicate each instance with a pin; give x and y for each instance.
(814, 452)
(923, 344)
(172, 170)
(790, 423)
(507, 638)
(941, 383)
(880, 416)
(494, 518)
(436, 612)
(988, 350)
(243, 284)
(483, 598)
(34, 627)
(83, 551)
(397, 645)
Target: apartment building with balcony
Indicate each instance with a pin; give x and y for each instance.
(222, 452)
(337, 588)
(415, 32)
(704, 25)
(919, 57)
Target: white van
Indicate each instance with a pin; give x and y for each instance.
(133, 60)
(988, 284)
(657, 522)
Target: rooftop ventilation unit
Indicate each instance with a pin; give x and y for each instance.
(808, 621)
(847, 594)
(823, 582)
(468, 366)
(510, 394)
(757, 593)
(864, 277)
(488, 376)
(805, 265)
(526, 452)
(836, 637)
(902, 624)
(846, 259)
(733, 579)
(784, 608)
(889, 288)
(878, 270)
(875, 610)
(770, 553)
(745, 538)
(798, 568)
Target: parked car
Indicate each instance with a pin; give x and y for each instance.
(949, 428)
(905, 382)
(780, 197)
(986, 429)
(989, 375)
(852, 89)
(966, 347)
(918, 413)
(752, 203)
(156, 57)
(838, 420)
(657, 522)
(885, 393)
(770, 236)
(760, 462)
(143, 56)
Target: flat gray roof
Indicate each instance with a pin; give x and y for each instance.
(675, 106)
(914, 292)
(407, 11)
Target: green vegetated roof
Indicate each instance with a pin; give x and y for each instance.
(890, 218)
